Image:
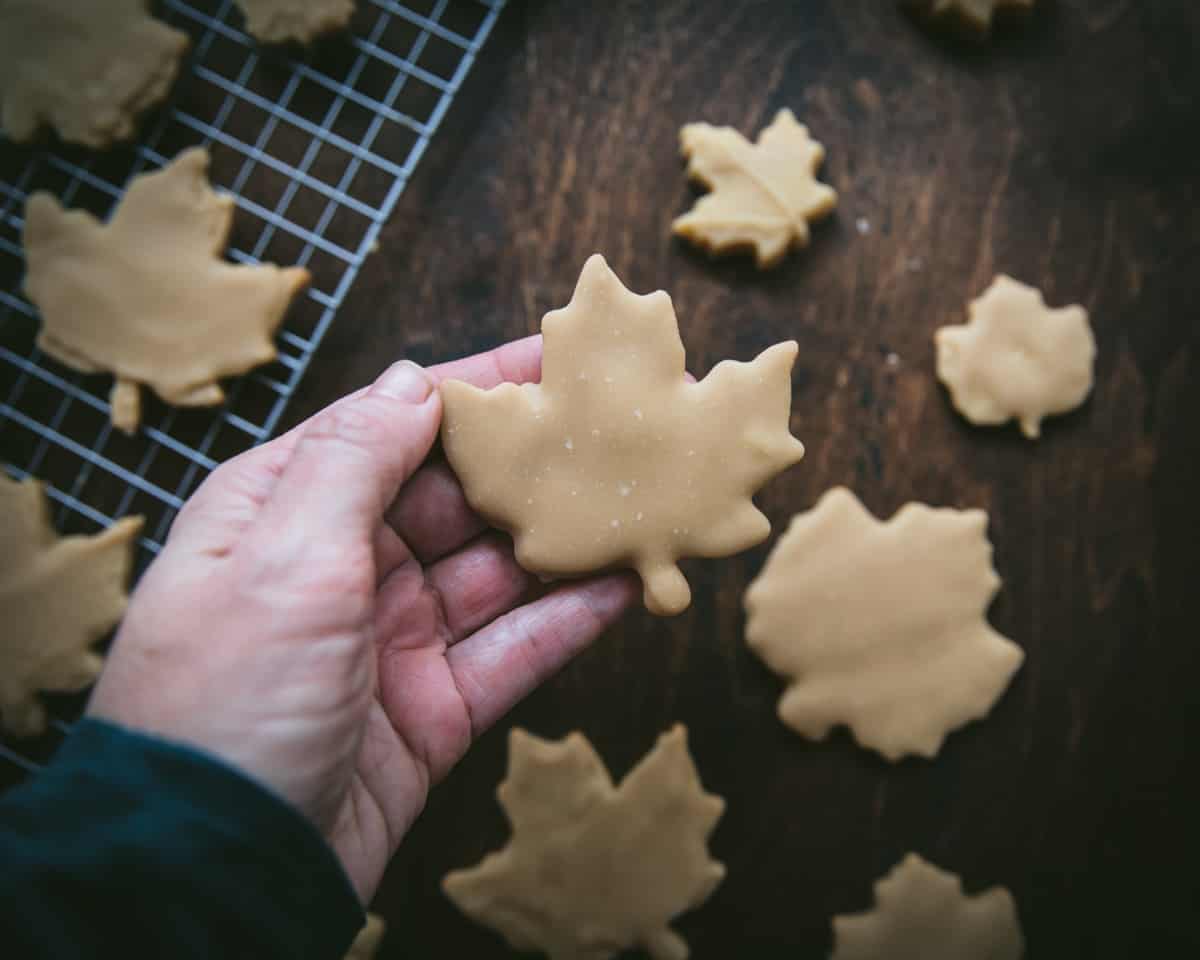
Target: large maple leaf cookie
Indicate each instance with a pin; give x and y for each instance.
(616, 459)
(147, 296)
(880, 626)
(593, 869)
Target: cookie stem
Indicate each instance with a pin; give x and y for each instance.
(666, 591)
(666, 944)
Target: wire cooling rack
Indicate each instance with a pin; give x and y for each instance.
(316, 147)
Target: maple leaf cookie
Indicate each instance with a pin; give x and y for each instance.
(616, 459)
(880, 625)
(1015, 358)
(763, 195)
(921, 913)
(147, 297)
(58, 596)
(87, 68)
(592, 868)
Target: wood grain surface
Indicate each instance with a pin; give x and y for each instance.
(1064, 153)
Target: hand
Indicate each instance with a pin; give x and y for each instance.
(329, 616)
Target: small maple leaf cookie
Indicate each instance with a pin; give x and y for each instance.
(763, 194)
(615, 459)
(976, 13)
(1016, 358)
(277, 21)
(593, 869)
(147, 297)
(880, 626)
(922, 913)
(57, 598)
(88, 69)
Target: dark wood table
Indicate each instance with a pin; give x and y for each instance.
(1066, 153)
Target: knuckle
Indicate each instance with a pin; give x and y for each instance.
(352, 424)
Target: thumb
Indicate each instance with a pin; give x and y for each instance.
(351, 459)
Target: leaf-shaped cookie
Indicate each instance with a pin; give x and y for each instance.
(57, 598)
(880, 626)
(593, 869)
(615, 458)
(763, 194)
(922, 913)
(277, 21)
(85, 67)
(1016, 358)
(147, 297)
(977, 13)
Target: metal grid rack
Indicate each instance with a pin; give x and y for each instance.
(316, 147)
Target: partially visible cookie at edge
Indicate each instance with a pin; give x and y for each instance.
(366, 944)
(58, 596)
(301, 21)
(922, 913)
(88, 70)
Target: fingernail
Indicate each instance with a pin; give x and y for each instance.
(404, 381)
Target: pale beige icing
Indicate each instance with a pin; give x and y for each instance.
(366, 944)
(881, 626)
(615, 459)
(763, 195)
(277, 21)
(921, 913)
(84, 67)
(147, 296)
(593, 869)
(1015, 358)
(58, 596)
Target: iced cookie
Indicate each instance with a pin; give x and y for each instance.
(615, 459)
(277, 21)
(763, 195)
(594, 869)
(881, 626)
(921, 913)
(88, 69)
(147, 297)
(58, 596)
(1015, 358)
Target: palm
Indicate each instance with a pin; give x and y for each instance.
(303, 553)
(455, 647)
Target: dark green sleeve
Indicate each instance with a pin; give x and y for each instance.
(128, 846)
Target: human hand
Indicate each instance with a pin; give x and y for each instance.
(329, 616)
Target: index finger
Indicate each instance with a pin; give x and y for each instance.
(519, 361)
